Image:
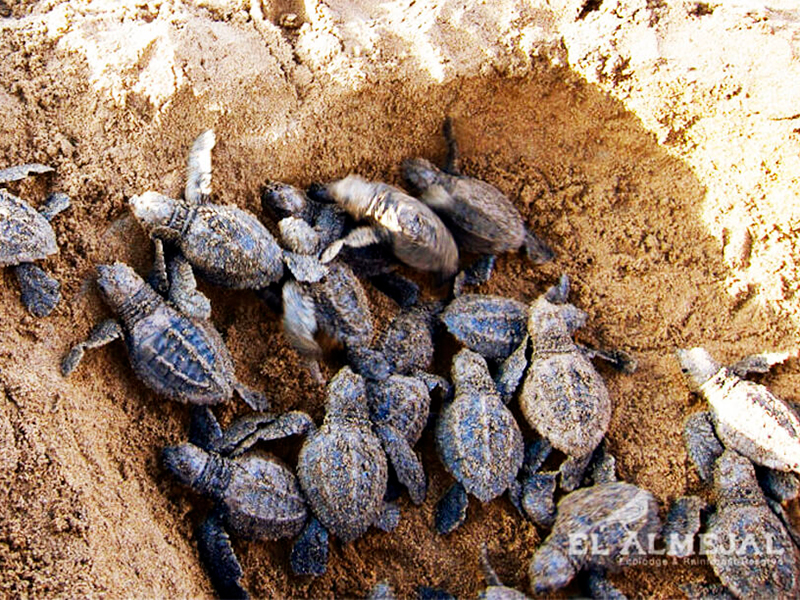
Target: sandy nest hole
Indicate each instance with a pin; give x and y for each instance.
(653, 144)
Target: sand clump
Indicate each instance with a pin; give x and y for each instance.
(653, 144)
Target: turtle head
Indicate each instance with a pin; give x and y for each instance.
(550, 569)
(187, 462)
(117, 283)
(347, 397)
(155, 212)
(735, 479)
(420, 173)
(697, 365)
(283, 200)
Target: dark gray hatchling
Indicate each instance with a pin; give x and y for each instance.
(478, 441)
(398, 388)
(563, 397)
(746, 416)
(256, 497)
(325, 223)
(416, 235)
(319, 298)
(26, 236)
(597, 528)
(341, 467)
(228, 246)
(336, 305)
(746, 544)
(492, 326)
(482, 218)
(177, 355)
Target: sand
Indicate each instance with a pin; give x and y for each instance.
(653, 144)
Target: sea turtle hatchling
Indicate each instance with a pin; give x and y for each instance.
(563, 397)
(336, 305)
(327, 222)
(180, 356)
(746, 544)
(493, 326)
(481, 217)
(256, 497)
(398, 390)
(416, 235)
(746, 416)
(228, 246)
(599, 527)
(27, 236)
(341, 467)
(478, 441)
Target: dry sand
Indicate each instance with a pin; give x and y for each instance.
(653, 143)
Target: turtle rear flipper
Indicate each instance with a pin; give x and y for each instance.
(40, 292)
(56, 202)
(310, 551)
(451, 510)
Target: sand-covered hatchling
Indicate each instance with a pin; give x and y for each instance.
(478, 440)
(746, 416)
(481, 217)
(599, 527)
(226, 245)
(26, 236)
(416, 235)
(256, 497)
(336, 306)
(398, 389)
(746, 544)
(341, 467)
(563, 397)
(177, 355)
(492, 326)
(327, 222)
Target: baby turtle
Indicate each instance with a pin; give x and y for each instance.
(329, 222)
(417, 236)
(256, 497)
(747, 417)
(563, 397)
(599, 527)
(398, 388)
(27, 236)
(177, 355)
(492, 326)
(746, 544)
(341, 467)
(335, 305)
(480, 216)
(478, 440)
(227, 245)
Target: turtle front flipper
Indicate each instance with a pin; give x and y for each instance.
(198, 169)
(360, 237)
(22, 171)
(405, 462)
(56, 202)
(183, 291)
(220, 562)
(40, 292)
(104, 332)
